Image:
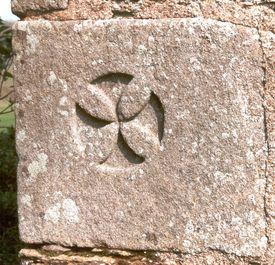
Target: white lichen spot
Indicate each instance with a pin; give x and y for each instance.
(195, 63)
(28, 96)
(63, 101)
(67, 210)
(250, 156)
(51, 78)
(64, 85)
(53, 213)
(186, 243)
(194, 147)
(63, 112)
(171, 224)
(169, 131)
(222, 177)
(228, 30)
(236, 221)
(38, 166)
(251, 198)
(21, 135)
(262, 223)
(259, 185)
(189, 228)
(225, 135)
(26, 200)
(235, 136)
(22, 25)
(262, 244)
(81, 26)
(141, 171)
(120, 215)
(47, 24)
(142, 48)
(70, 211)
(151, 40)
(32, 42)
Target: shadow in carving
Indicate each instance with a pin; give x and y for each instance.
(90, 120)
(159, 112)
(114, 78)
(127, 152)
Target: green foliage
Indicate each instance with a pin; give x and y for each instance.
(9, 242)
(9, 239)
(8, 160)
(6, 120)
(6, 57)
(5, 48)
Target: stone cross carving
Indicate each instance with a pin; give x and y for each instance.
(116, 121)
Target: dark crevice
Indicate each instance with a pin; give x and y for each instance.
(142, 254)
(90, 120)
(159, 111)
(122, 14)
(114, 78)
(127, 152)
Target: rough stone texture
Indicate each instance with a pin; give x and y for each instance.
(256, 13)
(142, 134)
(103, 257)
(23, 6)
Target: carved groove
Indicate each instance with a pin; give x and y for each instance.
(127, 152)
(90, 120)
(159, 112)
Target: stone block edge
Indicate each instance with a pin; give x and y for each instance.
(52, 254)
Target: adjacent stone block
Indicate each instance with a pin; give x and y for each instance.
(141, 135)
(258, 14)
(22, 6)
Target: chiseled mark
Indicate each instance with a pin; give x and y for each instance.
(38, 166)
(21, 135)
(67, 210)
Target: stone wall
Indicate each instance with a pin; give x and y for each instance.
(145, 131)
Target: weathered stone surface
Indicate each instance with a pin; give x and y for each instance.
(183, 170)
(24, 6)
(259, 13)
